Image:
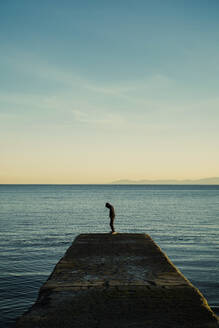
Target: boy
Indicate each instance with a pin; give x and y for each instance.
(112, 216)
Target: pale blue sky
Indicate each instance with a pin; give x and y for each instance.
(94, 91)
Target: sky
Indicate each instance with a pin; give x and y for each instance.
(96, 91)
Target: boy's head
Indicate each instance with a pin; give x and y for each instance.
(107, 205)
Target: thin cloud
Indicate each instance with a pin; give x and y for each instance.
(127, 90)
(100, 118)
(122, 104)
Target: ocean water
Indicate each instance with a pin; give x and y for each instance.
(39, 222)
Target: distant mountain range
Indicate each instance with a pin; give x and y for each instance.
(204, 181)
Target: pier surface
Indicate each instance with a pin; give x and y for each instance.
(122, 280)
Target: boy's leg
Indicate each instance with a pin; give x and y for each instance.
(112, 225)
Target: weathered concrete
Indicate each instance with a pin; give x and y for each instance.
(122, 280)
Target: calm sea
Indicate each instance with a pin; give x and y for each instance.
(39, 222)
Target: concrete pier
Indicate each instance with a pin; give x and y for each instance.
(122, 280)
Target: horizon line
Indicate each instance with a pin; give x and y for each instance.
(201, 181)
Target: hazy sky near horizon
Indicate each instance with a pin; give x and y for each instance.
(95, 91)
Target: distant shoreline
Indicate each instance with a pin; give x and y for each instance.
(203, 181)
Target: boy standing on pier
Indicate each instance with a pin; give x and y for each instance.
(112, 216)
